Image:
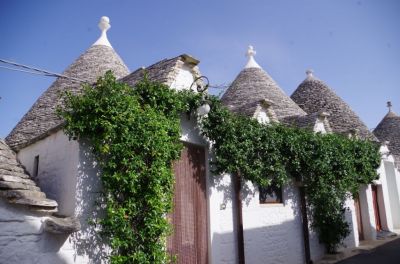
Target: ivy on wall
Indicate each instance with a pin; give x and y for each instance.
(331, 167)
(135, 136)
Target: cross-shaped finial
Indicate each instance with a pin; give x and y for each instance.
(251, 62)
(309, 73)
(389, 105)
(250, 51)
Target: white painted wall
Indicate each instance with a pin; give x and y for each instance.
(183, 79)
(69, 175)
(367, 212)
(24, 241)
(58, 164)
(352, 240)
(319, 126)
(262, 116)
(393, 187)
(383, 199)
(272, 232)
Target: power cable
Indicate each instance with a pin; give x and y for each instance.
(33, 70)
(37, 71)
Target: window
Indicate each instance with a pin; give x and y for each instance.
(270, 194)
(35, 167)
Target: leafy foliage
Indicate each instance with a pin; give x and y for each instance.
(331, 166)
(135, 136)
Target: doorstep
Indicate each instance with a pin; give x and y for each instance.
(365, 246)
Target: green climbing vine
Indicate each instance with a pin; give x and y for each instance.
(331, 167)
(135, 136)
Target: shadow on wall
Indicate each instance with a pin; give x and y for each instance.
(88, 208)
(273, 233)
(268, 245)
(23, 239)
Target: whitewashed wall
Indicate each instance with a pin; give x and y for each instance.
(367, 212)
(385, 210)
(273, 232)
(68, 174)
(24, 241)
(58, 165)
(393, 185)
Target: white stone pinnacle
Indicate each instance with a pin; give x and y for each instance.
(104, 25)
(310, 73)
(251, 63)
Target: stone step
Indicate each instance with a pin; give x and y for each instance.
(9, 178)
(14, 173)
(17, 194)
(66, 225)
(17, 186)
(32, 201)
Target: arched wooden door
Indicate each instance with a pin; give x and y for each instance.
(189, 242)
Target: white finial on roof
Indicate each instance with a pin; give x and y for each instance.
(251, 62)
(310, 73)
(104, 25)
(389, 105)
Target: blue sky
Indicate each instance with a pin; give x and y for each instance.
(353, 45)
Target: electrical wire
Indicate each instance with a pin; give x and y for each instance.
(37, 71)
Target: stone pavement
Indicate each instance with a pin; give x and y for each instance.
(371, 251)
(388, 253)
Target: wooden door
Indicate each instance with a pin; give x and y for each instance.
(376, 207)
(189, 242)
(359, 219)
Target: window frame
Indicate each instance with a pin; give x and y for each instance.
(278, 200)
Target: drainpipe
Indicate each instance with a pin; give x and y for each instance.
(239, 218)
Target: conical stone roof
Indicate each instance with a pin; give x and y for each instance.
(313, 96)
(389, 130)
(41, 119)
(253, 85)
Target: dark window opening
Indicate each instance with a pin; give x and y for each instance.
(270, 194)
(36, 167)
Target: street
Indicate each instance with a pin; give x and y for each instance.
(387, 254)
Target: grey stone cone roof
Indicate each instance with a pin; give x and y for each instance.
(164, 71)
(313, 96)
(41, 119)
(253, 85)
(17, 187)
(389, 130)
